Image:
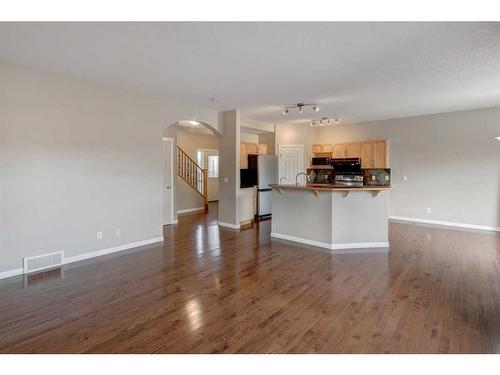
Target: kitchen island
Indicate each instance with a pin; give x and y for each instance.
(330, 216)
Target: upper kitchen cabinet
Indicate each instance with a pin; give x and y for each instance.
(321, 149)
(243, 156)
(380, 154)
(353, 149)
(367, 154)
(262, 149)
(373, 154)
(252, 149)
(339, 150)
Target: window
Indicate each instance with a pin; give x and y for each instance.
(213, 166)
(200, 158)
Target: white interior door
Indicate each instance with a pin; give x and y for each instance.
(168, 181)
(291, 162)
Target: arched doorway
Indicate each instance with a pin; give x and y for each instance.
(186, 178)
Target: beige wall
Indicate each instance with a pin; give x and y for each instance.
(250, 138)
(76, 158)
(451, 160)
(270, 140)
(296, 134)
(229, 168)
(186, 197)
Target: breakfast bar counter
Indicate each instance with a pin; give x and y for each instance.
(332, 217)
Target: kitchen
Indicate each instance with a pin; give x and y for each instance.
(343, 202)
(352, 178)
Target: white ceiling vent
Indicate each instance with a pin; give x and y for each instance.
(42, 262)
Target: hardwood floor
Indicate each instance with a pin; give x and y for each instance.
(215, 290)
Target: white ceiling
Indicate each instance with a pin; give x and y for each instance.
(356, 71)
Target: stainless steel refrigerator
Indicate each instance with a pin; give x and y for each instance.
(267, 174)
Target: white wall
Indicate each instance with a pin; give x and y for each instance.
(452, 162)
(190, 142)
(76, 158)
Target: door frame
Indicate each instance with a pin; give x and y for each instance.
(172, 180)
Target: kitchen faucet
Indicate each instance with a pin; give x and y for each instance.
(297, 178)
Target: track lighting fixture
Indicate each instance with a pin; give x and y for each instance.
(300, 107)
(325, 121)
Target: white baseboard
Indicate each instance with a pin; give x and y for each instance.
(11, 273)
(330, 246)
(185, 211)
(227, 225)
(359, 245)
(324, 245)
(92, 254)
(445, 223)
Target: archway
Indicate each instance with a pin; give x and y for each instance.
(186, 180)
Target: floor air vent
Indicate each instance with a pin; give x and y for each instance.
(42, 262)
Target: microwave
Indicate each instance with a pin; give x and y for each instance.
(321, 161)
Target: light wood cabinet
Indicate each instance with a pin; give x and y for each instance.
(262, 149)
(339, 150)
(243, 156)
(353, 150)
(316, 149)
(250, 149)
(380, 154)
(373, 154)
(367, 155)
(327, 148)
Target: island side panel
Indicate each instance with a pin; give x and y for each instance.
(298, 215)
(360, 220)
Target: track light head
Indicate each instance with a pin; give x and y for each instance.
(315, 108)
(284, 111)
(300, 109)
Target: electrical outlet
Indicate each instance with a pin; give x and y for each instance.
(99, 235)
(405, 178)
(429, 211)
(118, 232)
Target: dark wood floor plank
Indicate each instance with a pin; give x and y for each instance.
(215, 290)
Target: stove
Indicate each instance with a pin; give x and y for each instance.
(348, 172)
(349, 180)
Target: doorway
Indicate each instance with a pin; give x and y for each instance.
(168, 180)
(291, 162)
(209, 160)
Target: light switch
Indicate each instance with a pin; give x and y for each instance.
(226, 180)
(405, 178)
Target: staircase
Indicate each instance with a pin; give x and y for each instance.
(192, 174)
